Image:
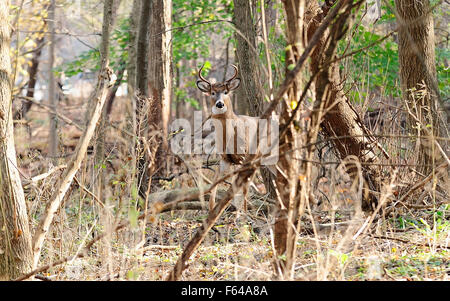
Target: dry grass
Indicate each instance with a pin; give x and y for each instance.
(335, 243)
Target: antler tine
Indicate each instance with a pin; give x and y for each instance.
(235, 73)
(201, 76)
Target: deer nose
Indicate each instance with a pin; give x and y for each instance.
(219, 105)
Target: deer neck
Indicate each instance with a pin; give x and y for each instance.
(229, 114)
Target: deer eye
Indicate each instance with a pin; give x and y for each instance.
(213, 93)
(226, 92)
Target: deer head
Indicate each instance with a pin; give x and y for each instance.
(219, 93)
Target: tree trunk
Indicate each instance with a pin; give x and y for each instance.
(160, 65)
(132, 48)
(251, 92)
(142, 49)
(15, 239)
(287, 182)
(32, 73)
(142, 89)
(131, 73)
(159, 88)
(341, 119)
(250, 96)
(113, 91)
(416, 52)
(53, 135)
(101, 130)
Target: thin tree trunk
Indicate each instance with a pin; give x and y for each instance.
(159, 88)
(101, 129)
(197, 239)
(251, 92)
(113, 91)
(416, 52)
(131, 79)
(287, 181)
(132, 48)
(160, 65)
(53, 135)
(96, 102)
(142, 89)
(250, 96)
(32, 71)
(178, 100)
(16, 254)
(142, 48)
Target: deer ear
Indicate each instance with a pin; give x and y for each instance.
(204, 87)
(233, 84)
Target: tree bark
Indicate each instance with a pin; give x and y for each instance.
(142, 48)
(141, 124)
(15, 239)
(101, 129)
(245, 173)
(132, 48)
(112, 93)
(53, 135)
(341, 119)
(32, 71)
(160, 66)
(416, 52)
(159, 88)
(250, 95)
(287, 181)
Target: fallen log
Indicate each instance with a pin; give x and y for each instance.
(164, 201)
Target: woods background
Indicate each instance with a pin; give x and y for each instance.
(89, 187)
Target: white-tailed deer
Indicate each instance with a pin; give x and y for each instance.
(237, 134)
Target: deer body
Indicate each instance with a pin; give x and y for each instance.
(237, 132)
(235, 140)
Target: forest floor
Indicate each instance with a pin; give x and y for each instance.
(406, 244)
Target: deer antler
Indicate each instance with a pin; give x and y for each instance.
(201, 76)
(234, 75)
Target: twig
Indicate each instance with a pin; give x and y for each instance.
(151, 247)
(43, 278)
(47, 108)
(408, 241)
(420, 184)
(387, 274)
(89, 192)
(48, 173)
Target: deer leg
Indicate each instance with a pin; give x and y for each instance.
(245, 192)
(223, 167)
(212, 198)
(212, 195)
